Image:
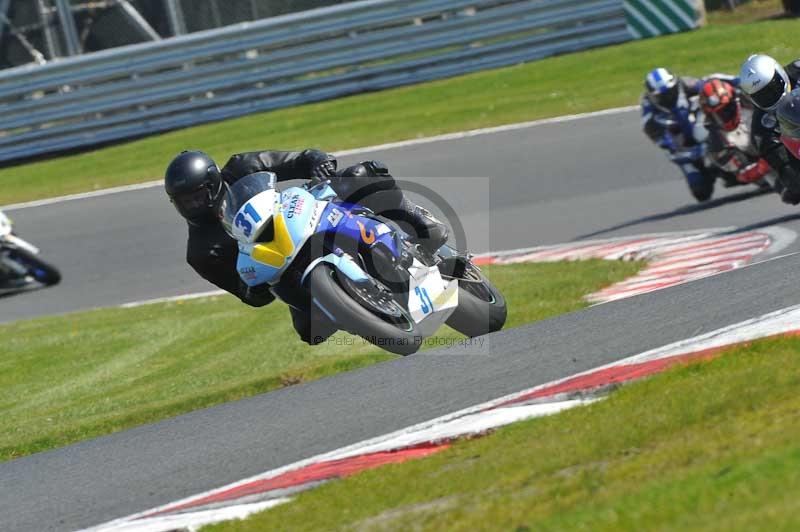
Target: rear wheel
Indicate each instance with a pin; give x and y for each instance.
(40, 270)
(701, 184)
(365, 310)
(481, 307)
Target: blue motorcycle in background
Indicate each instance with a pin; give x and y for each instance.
(359, 269)
(21, 267)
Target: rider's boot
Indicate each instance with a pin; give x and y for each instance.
(430, 233)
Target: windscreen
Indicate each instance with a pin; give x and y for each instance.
(240, 193)
(788, 114)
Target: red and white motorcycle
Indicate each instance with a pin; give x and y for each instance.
(20, 265)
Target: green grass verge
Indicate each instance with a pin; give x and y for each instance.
(751, 11)
(573, 83)
(65, 379)
(709, 446)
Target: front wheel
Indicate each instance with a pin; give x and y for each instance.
(40, 270)
(481, 307)
(374, 316)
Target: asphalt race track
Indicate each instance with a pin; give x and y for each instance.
(109, 477)
(592, 177)
(547, 184)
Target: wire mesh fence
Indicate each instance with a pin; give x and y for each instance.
(215, 13)
(42, 30)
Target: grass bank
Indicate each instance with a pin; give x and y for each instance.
(573, 83)
(73, 377)
(710, 446)
(753, 10)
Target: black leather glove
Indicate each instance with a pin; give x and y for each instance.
(257, 296)
(378, 168)
(324, 170)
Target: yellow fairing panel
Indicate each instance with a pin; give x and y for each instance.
(276, 252)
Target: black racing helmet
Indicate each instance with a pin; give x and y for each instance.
(194, 185)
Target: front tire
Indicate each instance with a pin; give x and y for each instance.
(43, 272)
(481, 307)
(400, 337)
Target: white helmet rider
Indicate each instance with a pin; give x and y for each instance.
(764, 80)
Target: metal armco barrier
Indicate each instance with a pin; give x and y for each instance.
(303, 57)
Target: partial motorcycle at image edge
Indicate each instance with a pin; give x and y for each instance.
(20, 264)
(360, 270)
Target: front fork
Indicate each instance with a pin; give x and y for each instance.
(9, 266)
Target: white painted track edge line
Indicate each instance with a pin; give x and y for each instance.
(478, 423)
(354, 151)
(669, 350)
(354, 449)
(169, 299)
(194, 520)
(489, 130)
(80, 195)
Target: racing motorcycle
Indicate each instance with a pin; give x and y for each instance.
(697, 154)
(359, 269)
(20, 265)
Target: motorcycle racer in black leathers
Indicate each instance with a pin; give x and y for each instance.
(765, 81)
(196, 186)
(729, 143)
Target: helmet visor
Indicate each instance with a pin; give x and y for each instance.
(194, 205)
(666, 99)
(768, 97)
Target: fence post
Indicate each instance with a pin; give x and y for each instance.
(175, 14)
(139, 22)
(68, 24)
(50, 39)
(3, 18)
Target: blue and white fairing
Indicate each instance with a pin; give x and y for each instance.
(296, 214)
(343, 219)
(431, 299)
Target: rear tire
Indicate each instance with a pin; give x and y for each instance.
(481, 307)
(354, 318)
(45, 273)
(702, 185)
